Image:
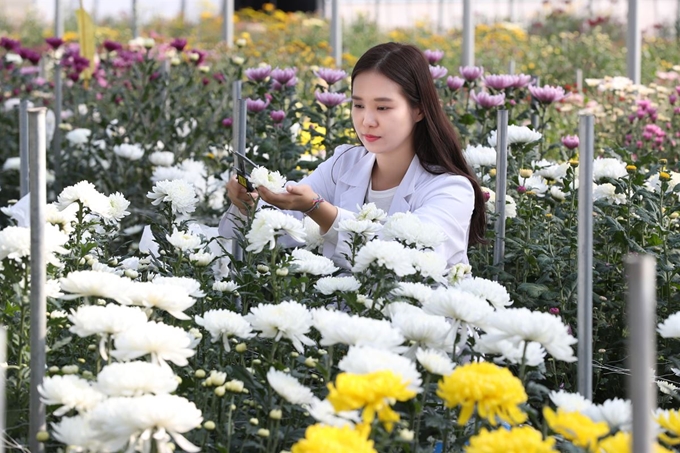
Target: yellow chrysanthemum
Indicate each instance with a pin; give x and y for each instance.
(316, 140)
(670, 422)
(331, 439)
(622, 442)
(516, 440)
(576, 427)
(374, 392)
(492, 389)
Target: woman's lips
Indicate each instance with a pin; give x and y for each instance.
(371, 138)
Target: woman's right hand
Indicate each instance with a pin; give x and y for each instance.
(245, 201)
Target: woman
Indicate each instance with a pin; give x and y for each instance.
(409, 160)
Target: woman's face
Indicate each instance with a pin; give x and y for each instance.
(382, 117)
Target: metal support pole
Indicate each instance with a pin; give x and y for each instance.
(579, 80)
(23, 147)
(468, 35)
(501, 183)
(641, 275)
(38, 188)
(238, 118)
(511, 67)
(135, 24)
(633, 42)
(336, 33)
(58, 19)
(56, 138)
(535, 81)
(585, 256)
(377, 13)
(511, 11)
(3, 381)
(228, 22)
(440, 18)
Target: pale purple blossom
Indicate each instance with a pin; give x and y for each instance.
(570, 141)
(330, 75)
(256, 105)
(455, 83)
(283, 76)
(499, 82)
(438, 72)
(258, 74)
(277, 115)
(277, 86)
(547, 94)
(471, 73)
(521, 80)
(486, 100)
(330, 99)
(433, 56)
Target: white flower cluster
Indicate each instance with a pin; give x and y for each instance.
(271, 180)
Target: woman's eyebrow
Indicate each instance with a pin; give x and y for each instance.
(383, 99)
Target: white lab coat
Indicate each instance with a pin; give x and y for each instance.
(444, 200)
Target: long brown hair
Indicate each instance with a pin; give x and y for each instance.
(435, 139)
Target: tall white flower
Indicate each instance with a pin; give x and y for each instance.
(608, 167)
(78, 136)
(180, 194)
(370, 211)
(269, 223)
(354, 330)
(171, 298)
(616, 412)
(510, 204)
(388, 254)
(458, 272)
(550, 170)
(459, 305)
(162, 158)
(272, 180)
(429, 264)
(184, 240)
(434, 361)
(480, 156)
(15, 243)
(670, 328)
(365, 228)
(420, 328)
(96, 284)
(161, 341)
(306, 262)
(129, 151)
(569, 402)
(105, 320)
(521, 324)
(513, 352)
(313, 239)
(118, 205)
(329, 285)
(135, 379)
(323, 412)
(607, 191)
(407, 228)
(69, 391)
(289, 388)
(365, 360)
(417, 291)
(492, 292)
(76, 433)
(288, 319)
(86, 194)
(517, 134)
(225, 324)
(190, 285)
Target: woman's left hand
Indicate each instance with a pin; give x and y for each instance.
(296, 198)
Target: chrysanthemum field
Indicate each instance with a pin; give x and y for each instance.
(159, 340)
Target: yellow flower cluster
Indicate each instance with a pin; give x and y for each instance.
(516, 440)
(576, 427)
(492, 389)
(670, 422)
(622, 442)
(374, 392)
(331, 439)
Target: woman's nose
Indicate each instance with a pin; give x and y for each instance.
(369, 119)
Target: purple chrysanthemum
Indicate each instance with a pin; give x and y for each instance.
(433, 56)
(258, 74)
(256, 105)
(471, 73)
(330, 99)
(547, 94)
(179, 44)
(455, 83)
(283, 76)
(486, 100)
(499, 82)
(438, 72)
(570, 141)
(330, 75)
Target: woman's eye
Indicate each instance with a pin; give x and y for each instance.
(357, 106)
(383, 108)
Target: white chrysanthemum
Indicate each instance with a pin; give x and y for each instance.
(550, 170)
(480, 156)
(420, 328)
(64, 219)
(323, 412)
(85, 193)
(406, 227)
(12, 163)
(457, 304)
(389, 254)
(458, 272)
(289, 388)
(96, 284)
(118, 205)
(417, 291)
(201, 258)
(607, 191)
(180, 194)
(78, 136)
(536, 183)
(430, 264)
(517, 134)
(329, 285)
(135, 379)
(521, 324)
(369, 211)
(171, 298)
(365, 228)
(510, 204)
(434, 361)
(365, 360)
(146, 419)
(190, 285)
(306, 262)
(670, 328)
(569, 402)
(163, 342)
(653, 183)
(184, 240)
(667, 387)
(313, 238)
(288, 319)
(15, 243)
(162, 158)
(492, 292)
(129, 151)
(608, 167)
(532, 355)
(76, 433)
(557, 193)
(52, 289)
(104, 320)
(267, 224)
(339, 327)
(168, 173)
(69, 391)
(272, 180)
(225, 286)
(225, 324)
(617, 413)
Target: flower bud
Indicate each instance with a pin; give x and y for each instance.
(232, 407)
(238, 61)
(241, 347)
(282, 271)
(674, 215)
(664, 176)
(235, 386)
(526, 172)
(53, 369)
(294, 354)
(131, 273)
(262, 269)
(263, 432)
(241, 42)
(573, 163)
(254, 421)
(209, 425)
(631, 168)
(492, 172)
(88, 374)
(69, 369)
(311, 362)
(42, 436)
(91, 347)
(175, 61)
(275, 414)
(220, 391)
(406, 435)
(199, 373)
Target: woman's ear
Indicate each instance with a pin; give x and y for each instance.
(418, 114)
